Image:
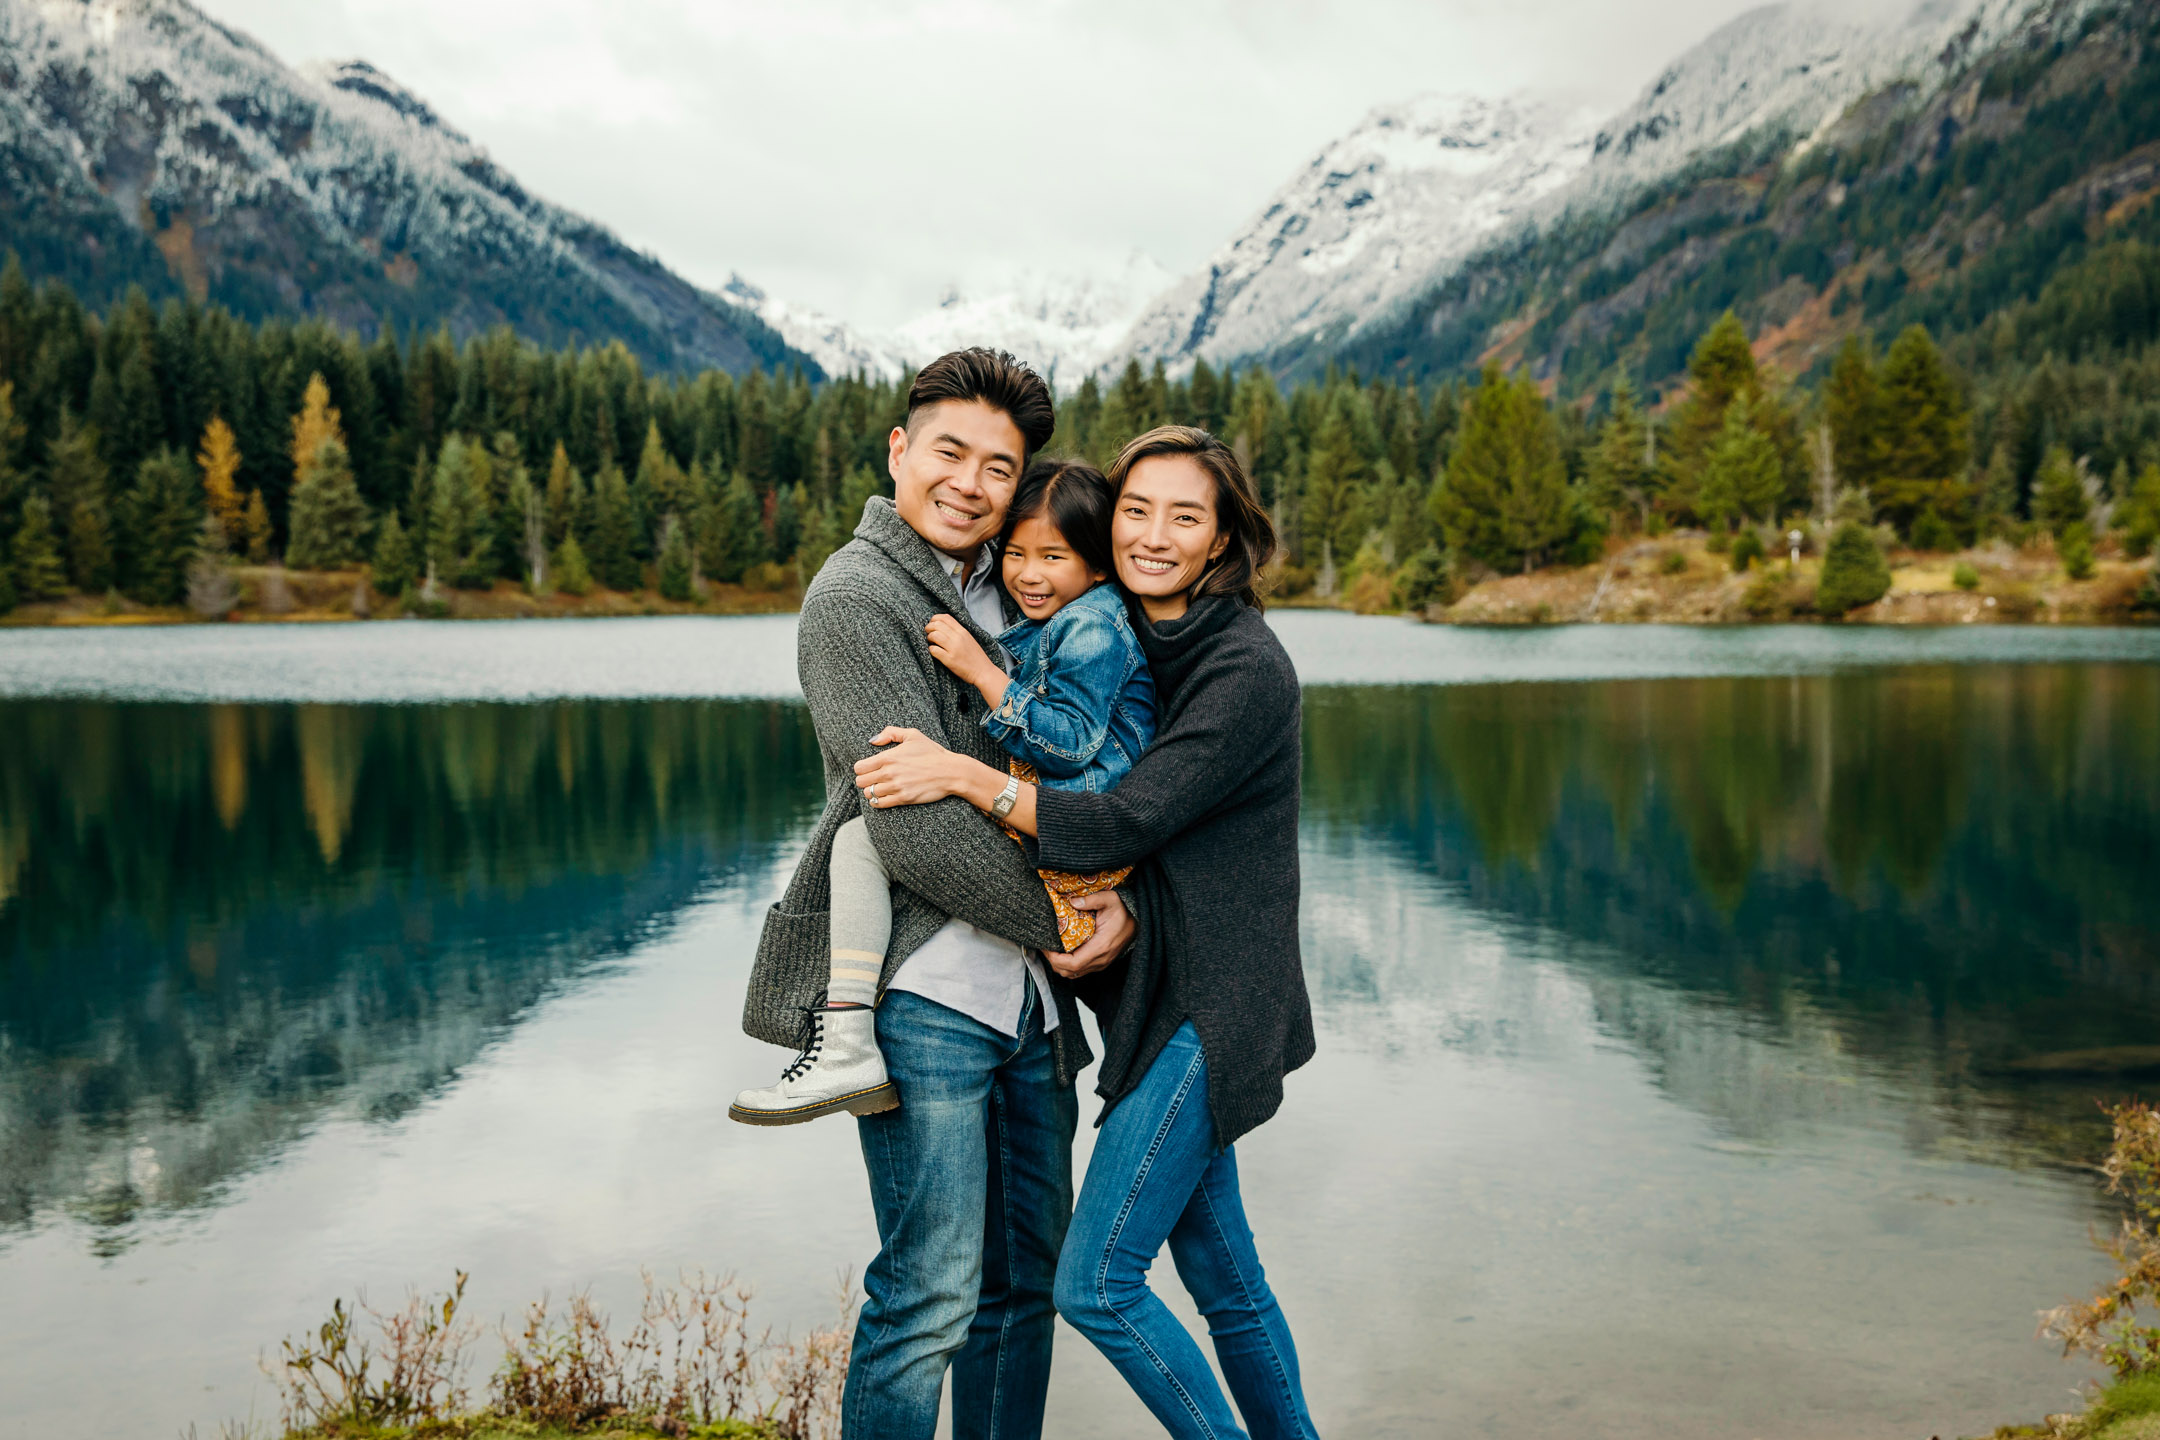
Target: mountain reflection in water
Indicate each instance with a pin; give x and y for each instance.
(215, 921)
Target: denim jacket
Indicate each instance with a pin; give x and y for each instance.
(1081, 705)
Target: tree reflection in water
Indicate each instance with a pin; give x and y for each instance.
(216, 921)
(1938, 870)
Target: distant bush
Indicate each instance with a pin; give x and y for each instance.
(2147, 600)
(2075, 546)
(1964, 576)
(1932, 532)
(1854, 572)
(1771, 595)
(1747, 548)
(1425, 580)
(1674, 563)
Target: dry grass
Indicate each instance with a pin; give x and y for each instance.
(691, 1364)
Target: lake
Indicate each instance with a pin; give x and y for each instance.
(1688, 982)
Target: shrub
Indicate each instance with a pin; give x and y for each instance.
(1674, 563)
(1719, 542)
(2106, 1326)
(1769, 595)
(1425, 580)
(2147, 600)
(1964, 576)
(573, 576)
(1854, 572)
(1747, 548)
(1932, 532)
(2075, 546)
(765, 575)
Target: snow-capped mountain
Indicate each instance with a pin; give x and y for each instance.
(838, 347)
(1367, 224)
(1394, 207)
(128, 124)
(1066, 326)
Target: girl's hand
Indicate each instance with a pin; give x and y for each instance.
(955, 649)
(914, 771)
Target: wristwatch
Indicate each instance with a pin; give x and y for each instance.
(1007, 798)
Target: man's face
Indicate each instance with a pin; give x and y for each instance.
(953, 476)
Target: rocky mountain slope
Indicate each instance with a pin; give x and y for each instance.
(142, 142)
(1406, 204)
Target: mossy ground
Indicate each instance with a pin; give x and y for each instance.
(2127, 1410)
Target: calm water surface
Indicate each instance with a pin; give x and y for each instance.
(1673, 1001)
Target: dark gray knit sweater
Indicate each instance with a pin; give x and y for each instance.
(1212, 807)
(865, 664)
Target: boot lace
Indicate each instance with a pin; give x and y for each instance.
(811, 1047)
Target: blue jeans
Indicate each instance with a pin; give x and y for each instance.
(1157, 1174)
(971, 1179)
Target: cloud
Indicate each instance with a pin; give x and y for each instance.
(862, 155)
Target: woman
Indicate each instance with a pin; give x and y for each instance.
(1207, 1011)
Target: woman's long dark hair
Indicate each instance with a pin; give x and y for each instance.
(1241, 568)
(1076, 500)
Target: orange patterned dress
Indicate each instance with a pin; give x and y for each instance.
(1074, 926)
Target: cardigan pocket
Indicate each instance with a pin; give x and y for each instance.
(794, 965)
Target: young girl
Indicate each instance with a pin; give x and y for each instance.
(1075, 714)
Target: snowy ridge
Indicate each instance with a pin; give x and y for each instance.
(1397, 205)
(838, 347)
(204, 140)
(1368, 223)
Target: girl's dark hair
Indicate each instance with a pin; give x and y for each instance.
(1240, 569)
(1075, 498)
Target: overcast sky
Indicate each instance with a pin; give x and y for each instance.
(860, 155)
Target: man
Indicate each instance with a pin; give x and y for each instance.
(971, 1176)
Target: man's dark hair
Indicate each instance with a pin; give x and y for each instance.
(1075, 498)
(997, 380)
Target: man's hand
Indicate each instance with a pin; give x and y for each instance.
(1114, 930)
(955, 649)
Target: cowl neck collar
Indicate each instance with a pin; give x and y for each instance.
(882, 527)
(1175, 647)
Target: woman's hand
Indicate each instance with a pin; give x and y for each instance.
(955, 649)
(1114, 930)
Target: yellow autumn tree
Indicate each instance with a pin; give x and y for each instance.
(316, 422)
(220, 462)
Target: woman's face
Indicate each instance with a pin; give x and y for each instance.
(1042, 573)
(1165, 532)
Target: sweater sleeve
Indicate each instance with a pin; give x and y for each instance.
(861, 672)
(1229, 725)
(1059, 728)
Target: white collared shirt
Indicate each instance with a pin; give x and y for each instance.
(964, 967)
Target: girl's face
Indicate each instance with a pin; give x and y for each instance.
(1041, 571)
(1165, 534)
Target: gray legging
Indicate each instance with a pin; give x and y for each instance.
(861, 916)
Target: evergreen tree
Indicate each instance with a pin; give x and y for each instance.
(730, 540)
(38, 571)
(1852, 404)
(396, 562)
(460, 528)
(212, 591)
(12, 433)
(1854, 572)
(676, 562)
(1505, 497)
(2139, 514)
(1743, 477)
(1721, 370)
(219, 460)
(613, 551)
(530, 547)
(565, 497)
(510, 499)
(1620, 475)
(163, 514)
(1926, 432)
(2059, 499)
(1334, 502)
(1998, 490)
(75, 474)
(572, 575)
(661, 487)
(787, 521)
(329, 519)
(255, 529)
(317, 421)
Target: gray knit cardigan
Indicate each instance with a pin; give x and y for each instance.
(865, 664)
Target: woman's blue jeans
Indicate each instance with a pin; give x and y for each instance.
(1157, 1175)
